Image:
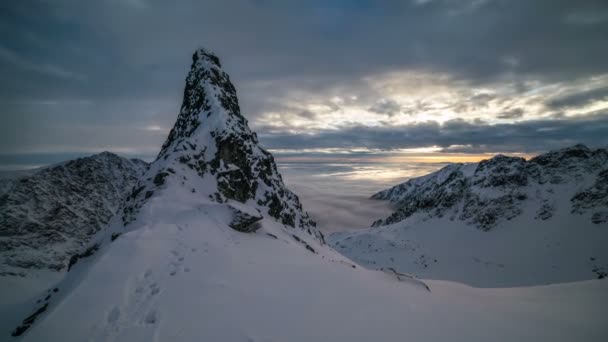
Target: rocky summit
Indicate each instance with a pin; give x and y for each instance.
(48, 216)
(212, 152)
(502, 188)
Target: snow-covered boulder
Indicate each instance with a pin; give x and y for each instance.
(244, 218)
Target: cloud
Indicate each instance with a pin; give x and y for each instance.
(386, 106)
(578, 99)
(483, 98)
(526, 136)
(307, 114)
(516, 113)
(288, 61)
(9, 56)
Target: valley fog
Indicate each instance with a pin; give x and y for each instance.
(331, 191)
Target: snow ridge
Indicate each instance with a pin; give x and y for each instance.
(500, 188)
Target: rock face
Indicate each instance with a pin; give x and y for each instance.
(212, 152)
(244, 219)
(49, 216)
(503, 187)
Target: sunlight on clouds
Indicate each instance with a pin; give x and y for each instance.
(430, 155)
(409, 97)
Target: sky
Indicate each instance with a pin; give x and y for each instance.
(318, 80)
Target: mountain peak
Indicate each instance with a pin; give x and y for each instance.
(211, 141)
(202, 56)
(209, 98)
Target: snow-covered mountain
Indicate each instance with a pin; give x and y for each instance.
(49, 216)
(501, 188)
(504, 221)
(212, 152)
(212, 246)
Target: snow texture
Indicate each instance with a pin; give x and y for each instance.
(503, 222)
(50, 215)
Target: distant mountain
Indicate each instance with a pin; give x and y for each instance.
(500, 222)
(48, 216)
(501, 188)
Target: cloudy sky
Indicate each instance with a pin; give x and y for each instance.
(317, 79)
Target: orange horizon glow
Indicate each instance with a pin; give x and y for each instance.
(433, 158)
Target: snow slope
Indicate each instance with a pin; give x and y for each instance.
(502, 222)
(184, 275)
(48, 215)
(212, 151)
(176, 267)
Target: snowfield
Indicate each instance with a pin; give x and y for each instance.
(516, 253)
(503, 222)
(184, 275)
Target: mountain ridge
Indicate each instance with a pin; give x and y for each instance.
(497, 189)
(50, 215)
(502, 222)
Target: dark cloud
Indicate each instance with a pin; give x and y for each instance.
(526, 136)
(96, 74)
(483, 98)
(578, 99)
(386, 106)
(516, 113)
(307, 114)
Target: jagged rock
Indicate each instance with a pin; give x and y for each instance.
(50, 215)
(28, 321)
(211, 141)
(599, 217)
(594, 197)
(244, 219)
(499, 188)
(545, 212)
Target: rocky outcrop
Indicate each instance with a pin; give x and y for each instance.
(244, 219)
(501, 188)
(594, 198)
(49, 216)
(212, 152)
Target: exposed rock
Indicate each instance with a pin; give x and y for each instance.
(499, 188)
(28, 321)
(211, 140)
(545, 212)
(594, 198)
(245, 220)
(50, 215)
(87, 253)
